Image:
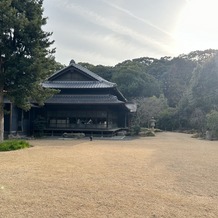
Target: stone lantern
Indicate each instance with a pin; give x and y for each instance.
(152, 123)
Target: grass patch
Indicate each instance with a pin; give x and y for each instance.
(10, 145)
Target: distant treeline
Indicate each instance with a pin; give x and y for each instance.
(180, 92)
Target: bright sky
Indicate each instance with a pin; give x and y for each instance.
(110, 31)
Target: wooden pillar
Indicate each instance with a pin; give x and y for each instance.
(13, 119)
(125, 125)
(1, 115)
(107, 119)
(22, 122)
(11, 115)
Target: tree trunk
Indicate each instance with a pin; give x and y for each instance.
(1, 115)
(1, 99)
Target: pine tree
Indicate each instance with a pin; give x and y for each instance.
(25, 55)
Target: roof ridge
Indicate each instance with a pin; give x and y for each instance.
(85, 70)
(70, 95)
(70, 81)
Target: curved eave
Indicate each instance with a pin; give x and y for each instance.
(132, 107)
(77, 84)
(83, 99)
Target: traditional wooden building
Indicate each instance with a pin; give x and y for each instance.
(85, 103)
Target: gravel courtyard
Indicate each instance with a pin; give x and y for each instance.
(170, 175)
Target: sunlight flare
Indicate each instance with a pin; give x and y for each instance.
(197, 26)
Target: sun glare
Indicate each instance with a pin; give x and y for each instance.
(197, 26)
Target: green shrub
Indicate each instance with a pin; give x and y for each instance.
(39, 126)
(212, 123)
(134, 131)
(158, 130)
(10, 145)
(143, 129)
(196, 135)
(137, 129)
(147, 133)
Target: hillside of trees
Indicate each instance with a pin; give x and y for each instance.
(181, 93)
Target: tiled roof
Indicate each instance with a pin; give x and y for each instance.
(77, 84)
(90, 73)
(86, 71)
(83, 99)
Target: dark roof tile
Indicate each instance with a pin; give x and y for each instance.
(83, 99)
(77, 84)
(86, 71)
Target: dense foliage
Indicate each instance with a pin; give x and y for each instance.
(26, 57)
(10, 145)
(179, 92)
(212, 123)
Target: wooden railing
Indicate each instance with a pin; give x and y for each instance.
(80, 126)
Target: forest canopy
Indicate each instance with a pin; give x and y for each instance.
(187, 84)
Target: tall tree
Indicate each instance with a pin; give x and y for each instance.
(148, 108)
(105, 72)
(135, 83)
(25, 55)
(201, 95)
(204, 85)
(212, 120)
(176, 79)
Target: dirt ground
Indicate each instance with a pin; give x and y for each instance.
(170, 175)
